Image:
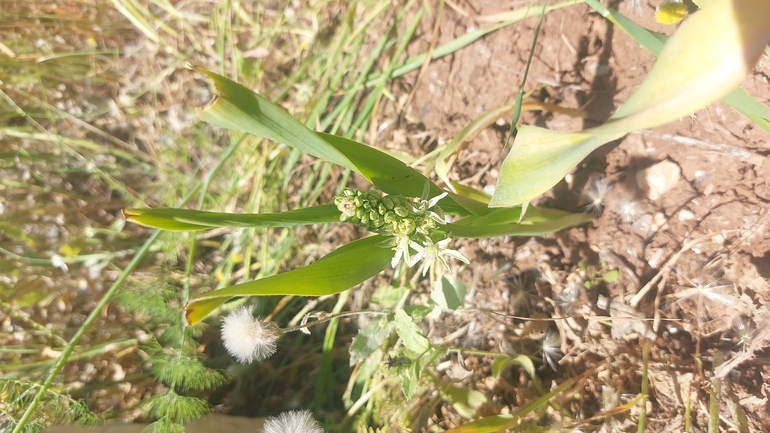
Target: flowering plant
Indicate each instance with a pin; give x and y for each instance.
(409, 219)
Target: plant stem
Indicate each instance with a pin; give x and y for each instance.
(645, 386)
(331, 317)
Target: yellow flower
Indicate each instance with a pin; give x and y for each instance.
(670, 12)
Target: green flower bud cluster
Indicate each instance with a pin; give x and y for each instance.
(389, 215)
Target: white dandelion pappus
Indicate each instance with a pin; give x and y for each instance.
(296, 421)
(247, 338)
(596, 193)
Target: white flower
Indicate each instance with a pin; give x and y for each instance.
(348, 207)
(432, 254)
(434, 201)
(296, 421)
(247, 338)
(401, 246)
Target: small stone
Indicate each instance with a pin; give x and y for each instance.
(658, 222)
(642, 225)
(658, 179)
(686, 215)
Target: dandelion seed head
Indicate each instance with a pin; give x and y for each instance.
(702, 286)
(247, 338)
(296, 421)
(596, 193)
(551, 348)
(628, 209)
(520, 292)
(744, 330)
(570, 299)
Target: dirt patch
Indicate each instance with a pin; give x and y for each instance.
(706, 238)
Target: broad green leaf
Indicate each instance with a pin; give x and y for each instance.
(339, 270)
(471, 193)
(238, 108)
(186, 219)
(392, 176)
(502, 362)
(410, 333)
(539, 159)
(460, 142)
(708, 56)
(448, 293)
(747, 105)
(369, 339)
(653, 42)
(533, 215)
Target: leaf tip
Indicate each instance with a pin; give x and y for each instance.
(131, 214)
(212, 78)
(190, 314)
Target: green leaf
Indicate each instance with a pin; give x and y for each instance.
(538, 160)
(240, 109)
(176, 408)
(412, 336)
(611, 276)
(340, 270)
(466, 401)
(388, 296)
(392, 176)
(182, 372)
(653, 42)
(237, 107)
(709, 55)
(369, 339)
(186, 219)
(448, 293)
(410, 378)
(535, 227)
(502, 362)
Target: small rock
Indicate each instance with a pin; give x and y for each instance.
(658, 179)
(658, 222)
(686, 215)
(642, 225)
